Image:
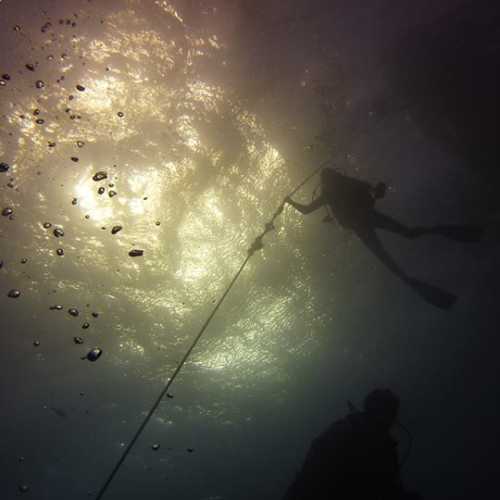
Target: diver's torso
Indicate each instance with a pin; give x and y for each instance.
(350, 199)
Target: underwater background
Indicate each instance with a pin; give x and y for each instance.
(177, 128)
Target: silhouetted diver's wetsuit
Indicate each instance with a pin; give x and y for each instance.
(349, 460)
(356, 458)
(352, 202)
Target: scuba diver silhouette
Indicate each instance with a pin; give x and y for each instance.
(356, 457)
(352, 203)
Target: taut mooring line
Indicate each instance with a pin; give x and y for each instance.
(256, 245)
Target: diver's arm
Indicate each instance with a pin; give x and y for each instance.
(307, 209)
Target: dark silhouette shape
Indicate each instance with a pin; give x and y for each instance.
(356, 457)
(352, 203)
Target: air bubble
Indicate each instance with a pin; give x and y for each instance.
(94, 354)
(99, 176)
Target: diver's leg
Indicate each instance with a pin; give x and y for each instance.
(434, 295)
(369, 237)
(383, 221)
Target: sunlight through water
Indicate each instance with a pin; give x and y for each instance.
(188, 179)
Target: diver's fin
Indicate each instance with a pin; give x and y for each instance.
(465, 234)
(432, 294)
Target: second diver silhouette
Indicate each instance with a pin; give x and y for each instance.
(352, 203)
(356, 457)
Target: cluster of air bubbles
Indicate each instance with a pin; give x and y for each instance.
(39, 117)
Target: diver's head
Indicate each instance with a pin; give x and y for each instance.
(382, 405)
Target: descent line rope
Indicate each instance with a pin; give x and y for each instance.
(256, 245)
